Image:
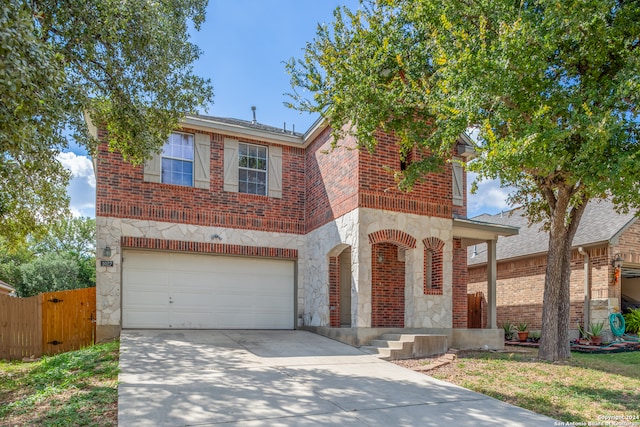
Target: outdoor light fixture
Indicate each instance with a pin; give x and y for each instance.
(616, 262)
(106, 252)
(380, 258)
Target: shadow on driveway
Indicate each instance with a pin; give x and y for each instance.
(286, 378)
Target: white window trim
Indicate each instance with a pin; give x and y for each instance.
(201, 175)
(265, 170)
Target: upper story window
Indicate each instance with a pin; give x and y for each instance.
(252, 169)
(184, 160)
(177, 160)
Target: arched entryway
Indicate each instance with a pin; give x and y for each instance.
(340, 284)
(388, 277)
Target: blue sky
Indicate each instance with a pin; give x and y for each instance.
(244, 44)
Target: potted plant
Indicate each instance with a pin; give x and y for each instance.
(523, 334)
(508, 330)
(595, 332)
(535, 336)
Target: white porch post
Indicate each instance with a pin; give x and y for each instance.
(491, 284)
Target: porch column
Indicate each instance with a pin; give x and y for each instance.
(491, 284)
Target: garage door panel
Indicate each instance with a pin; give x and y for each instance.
(206, 291)
(144, 317)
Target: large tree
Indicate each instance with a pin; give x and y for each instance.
(128, 63)
(552, 88)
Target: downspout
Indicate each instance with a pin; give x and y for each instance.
(587, 288)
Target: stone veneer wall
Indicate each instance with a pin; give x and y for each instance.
(314, 252)
(353, 229)
(111, 230)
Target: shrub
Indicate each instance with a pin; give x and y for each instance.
(632, 321)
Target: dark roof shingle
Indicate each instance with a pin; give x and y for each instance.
(600, 223)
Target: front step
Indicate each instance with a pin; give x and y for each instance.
(407, 346)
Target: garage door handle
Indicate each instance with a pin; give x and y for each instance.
(170, 300)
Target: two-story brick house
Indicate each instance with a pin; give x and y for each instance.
(240, 225)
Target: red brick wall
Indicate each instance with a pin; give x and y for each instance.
(378, 188)
(459, 285)
(334, 291)
(628, 244)
(319, 185)
(331, 180)
(122, 192)
(520, 286)
(433, 255)
(208, 248)
(387, 287)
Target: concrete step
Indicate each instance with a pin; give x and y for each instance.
(407, 346)
(386, 343)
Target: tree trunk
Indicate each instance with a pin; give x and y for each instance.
(556, 306)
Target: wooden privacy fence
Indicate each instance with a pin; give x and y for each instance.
(474, 313)
(47, 324)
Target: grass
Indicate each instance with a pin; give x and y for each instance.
(587, 388)
(78, 388)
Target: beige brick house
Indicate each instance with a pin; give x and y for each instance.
(597, 286)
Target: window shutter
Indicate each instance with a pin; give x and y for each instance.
(231, 165)
(153, 168)
(458, 176)
(202, 166)
(275, 172)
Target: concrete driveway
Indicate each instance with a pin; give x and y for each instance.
(286, 378)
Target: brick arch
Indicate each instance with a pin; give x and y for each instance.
(433, 243)
(396, 237)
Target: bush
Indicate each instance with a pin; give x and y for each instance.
(48, 273)
(632, 321)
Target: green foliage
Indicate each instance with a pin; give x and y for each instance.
(632, 321)
(74, 388)
(64, 258)
(12, 256)
(47, 273)
(552, 89)
(508, 330)
(128, 63)
(595, 329)
(522, 327)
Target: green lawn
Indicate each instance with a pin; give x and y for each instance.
(587, 388)
(77, 388)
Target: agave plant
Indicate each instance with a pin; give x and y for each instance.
(595, 329)
(508, 329)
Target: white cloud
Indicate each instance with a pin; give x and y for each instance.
(79, 166)
(82, 186)
(490, 197)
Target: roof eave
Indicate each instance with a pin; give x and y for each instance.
(208, 124)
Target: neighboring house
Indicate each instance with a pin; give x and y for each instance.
(240, 225)
(597, 286)
(6, 289)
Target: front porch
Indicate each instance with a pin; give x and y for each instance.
(463, 339)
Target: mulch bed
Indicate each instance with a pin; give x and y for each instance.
(616, 347)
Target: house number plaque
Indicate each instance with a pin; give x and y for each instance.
(106, 263)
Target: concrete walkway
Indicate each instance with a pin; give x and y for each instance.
(286, 378)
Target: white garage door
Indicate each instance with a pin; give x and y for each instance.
(184, 291)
